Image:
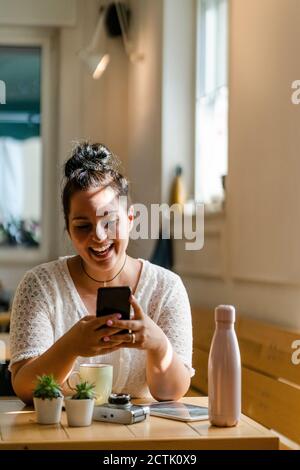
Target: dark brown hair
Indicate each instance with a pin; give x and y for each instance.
(91, 166)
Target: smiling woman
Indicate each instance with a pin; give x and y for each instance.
(53, 324)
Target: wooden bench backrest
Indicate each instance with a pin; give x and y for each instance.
(271, 382)
(4, 318)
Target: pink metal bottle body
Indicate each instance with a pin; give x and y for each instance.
(224, 371)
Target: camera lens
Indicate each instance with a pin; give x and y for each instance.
(119, 398)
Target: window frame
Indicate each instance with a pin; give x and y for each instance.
(43, 38)
(199, 80)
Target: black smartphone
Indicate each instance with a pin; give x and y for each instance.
(114, 300)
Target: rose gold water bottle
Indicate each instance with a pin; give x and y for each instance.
(224, 370)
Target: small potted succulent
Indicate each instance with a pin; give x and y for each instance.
(47, 399)
(80, 406)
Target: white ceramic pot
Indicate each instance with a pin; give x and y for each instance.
(79, 412)
(48, 411)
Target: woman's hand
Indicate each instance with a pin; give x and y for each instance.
(85, 338)
(145, 334)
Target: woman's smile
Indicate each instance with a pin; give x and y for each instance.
(102, 252)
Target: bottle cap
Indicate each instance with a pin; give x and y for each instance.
(225, 313)
(178, 170)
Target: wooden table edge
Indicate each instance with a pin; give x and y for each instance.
(201, 443)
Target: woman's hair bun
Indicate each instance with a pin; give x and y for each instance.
(89, 157)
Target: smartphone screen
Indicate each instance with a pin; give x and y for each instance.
(112, 300)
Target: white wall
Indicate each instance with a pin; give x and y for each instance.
(144, 110)
(161, 102)
(90, 109)
(178, 93)
(251, 256)
(38, 13)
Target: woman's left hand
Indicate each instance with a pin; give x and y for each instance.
(145, 334)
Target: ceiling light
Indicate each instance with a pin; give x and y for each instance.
(94, 55)
(113, 22)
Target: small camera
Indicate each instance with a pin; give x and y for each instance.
(119, 409)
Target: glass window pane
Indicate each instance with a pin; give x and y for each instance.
(20, 147)
(211, 100)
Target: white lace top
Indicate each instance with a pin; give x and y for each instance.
(47, 305)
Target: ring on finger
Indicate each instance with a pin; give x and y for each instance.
(132, 338)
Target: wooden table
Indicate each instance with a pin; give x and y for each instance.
(19, 430)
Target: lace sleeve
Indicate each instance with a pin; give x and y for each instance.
(31, 332)
(175, 321)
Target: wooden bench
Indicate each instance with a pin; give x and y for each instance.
(4, 318)
(270, 381)
(5, 376)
